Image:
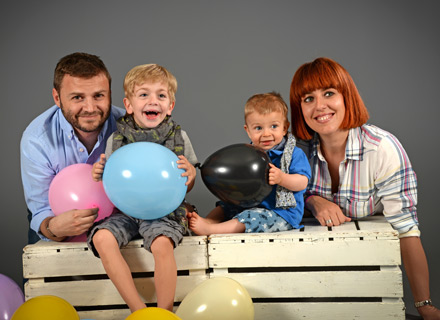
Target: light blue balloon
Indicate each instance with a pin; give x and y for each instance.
(143, 181)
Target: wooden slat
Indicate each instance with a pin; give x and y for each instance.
(113, 314)
(377, 223)
(372, 227)
(320, 284)
(103, 292)
(319, 253)
(296, 311)
(377, 226)
(330, 310)
(54, 259)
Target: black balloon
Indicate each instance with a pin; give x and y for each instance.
(238, 174)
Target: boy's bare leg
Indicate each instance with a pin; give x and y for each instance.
(165, 271)
(197, 224)
(117, 268)
(202, 228)
(216, 215)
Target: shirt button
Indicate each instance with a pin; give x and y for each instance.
(81, 150)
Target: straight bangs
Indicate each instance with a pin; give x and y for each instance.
(314, 76)
(308, 78)
(324, 73)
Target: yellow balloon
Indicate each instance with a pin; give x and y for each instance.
(152, 313)
(217, 299)
(45, 308)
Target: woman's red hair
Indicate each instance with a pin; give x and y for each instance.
(323, 73)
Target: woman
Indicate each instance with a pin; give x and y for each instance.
(357, 169)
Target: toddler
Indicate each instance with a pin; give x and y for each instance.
(267, 126)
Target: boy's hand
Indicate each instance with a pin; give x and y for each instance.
(275, 175)
(190, 170)
(98, 168)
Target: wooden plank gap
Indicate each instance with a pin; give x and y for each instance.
(313, 299)
(101, 307)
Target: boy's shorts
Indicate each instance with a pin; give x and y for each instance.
(255, 219)
(125, 228)
(262, 220)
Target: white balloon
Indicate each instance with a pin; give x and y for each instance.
(217, 299)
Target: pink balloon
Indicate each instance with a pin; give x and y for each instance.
(80, 238)
(74, 188)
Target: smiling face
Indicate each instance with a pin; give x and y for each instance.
(266, 130)
(85, 102)
(149, 103)
(324, 111)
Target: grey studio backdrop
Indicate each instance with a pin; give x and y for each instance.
(222, 53)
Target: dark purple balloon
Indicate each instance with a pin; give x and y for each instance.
(238, 174)
(11, 297)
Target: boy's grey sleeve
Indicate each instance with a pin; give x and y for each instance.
(108, 147)
(189, 150)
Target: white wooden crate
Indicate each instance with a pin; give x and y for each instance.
(346, 272)
(71, 271)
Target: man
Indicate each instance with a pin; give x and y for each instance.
(74, 130)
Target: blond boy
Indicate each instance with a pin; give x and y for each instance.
(149, 101)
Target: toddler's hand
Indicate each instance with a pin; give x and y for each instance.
(98, 168)
(190, 170)
(275, 175)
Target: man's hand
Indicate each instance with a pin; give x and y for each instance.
(69, 223)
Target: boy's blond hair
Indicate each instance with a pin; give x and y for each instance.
(265, 103)
(149, 73)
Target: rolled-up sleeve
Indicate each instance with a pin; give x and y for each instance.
(396, 182)
(36, 175)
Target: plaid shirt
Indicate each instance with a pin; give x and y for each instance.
(375, 176)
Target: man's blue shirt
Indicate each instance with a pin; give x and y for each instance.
(48, 145)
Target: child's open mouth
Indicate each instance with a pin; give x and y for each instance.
(151, 114)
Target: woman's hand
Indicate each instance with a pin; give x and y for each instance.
(326, 212)
(429, 313)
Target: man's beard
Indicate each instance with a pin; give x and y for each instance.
(73, 119)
